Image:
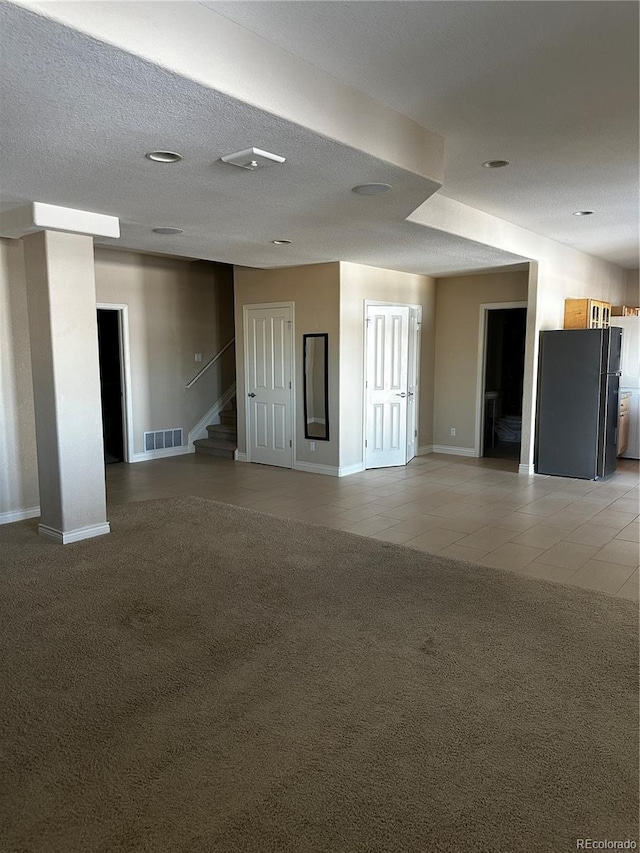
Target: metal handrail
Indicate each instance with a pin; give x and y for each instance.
(209, 363)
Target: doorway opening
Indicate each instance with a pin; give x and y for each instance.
(110, 352)
(504, 348)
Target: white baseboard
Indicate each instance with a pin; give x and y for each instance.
(19, 514)
(425, 449)
(526, 469)
(200, 429)
(315, 468)
(454, 451)
(64, 538)
(239, 457)
(345, 470)
(146, 455)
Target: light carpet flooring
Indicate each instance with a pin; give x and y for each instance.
(571, 531)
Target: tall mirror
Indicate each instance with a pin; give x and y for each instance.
(316, 386)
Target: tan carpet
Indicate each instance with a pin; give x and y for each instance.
(207, 678)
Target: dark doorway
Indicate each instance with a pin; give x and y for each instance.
(111, 384)
(504, 374)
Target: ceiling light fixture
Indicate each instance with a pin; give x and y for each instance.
(163, 156)
(495, 164)
(371, 189)
(167, 230)
(252, 159)
(281, 242)
(582, 213)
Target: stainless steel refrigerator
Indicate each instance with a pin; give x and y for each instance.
(577, 415)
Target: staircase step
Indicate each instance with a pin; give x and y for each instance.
(226, 432)
(228, 416)
(215, 447)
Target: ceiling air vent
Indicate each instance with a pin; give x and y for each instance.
(163, 438)
(252, 159)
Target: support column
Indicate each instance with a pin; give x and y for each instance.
(61, 298)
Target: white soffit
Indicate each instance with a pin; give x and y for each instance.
(79, 116)
(19, 221)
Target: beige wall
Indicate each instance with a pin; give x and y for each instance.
(176, 309)
(315, 291)
(18, 462)
(556, 272)
(458, 301)
(632, 295)
(357, 284)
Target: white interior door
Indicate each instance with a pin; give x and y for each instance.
(386, 385)
(413, 381)
(268, 383)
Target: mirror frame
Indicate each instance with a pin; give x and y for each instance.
(305, 338)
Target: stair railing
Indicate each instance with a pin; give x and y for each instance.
(209, 363)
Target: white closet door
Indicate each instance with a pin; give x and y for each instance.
(268, 385)
(387, 385)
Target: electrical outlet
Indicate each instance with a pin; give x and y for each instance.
(312, 445)
(453, 431)
(198, 356)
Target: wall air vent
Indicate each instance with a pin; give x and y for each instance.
(162, 439)
(252, 159)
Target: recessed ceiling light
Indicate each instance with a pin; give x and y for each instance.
(371, 189)
(582, 213)
(167, 230)
(495, 164)
(281, 242)
(163, 156)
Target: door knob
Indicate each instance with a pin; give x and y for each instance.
(251, 395)
(401, 395)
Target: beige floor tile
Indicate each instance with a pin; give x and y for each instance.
(541, 536)
(626, 505)
(402, 512)
(367, 526)
(620, 551)
(391, 535)
(459, 552)
(488, 538)
(567, 555)
(449, 510)
(353, 501)
(434, 540)
(336, 523)
(547, 573)
(357, 513)
(517, 521)
(630, 588)
(511, 556)
(630, 533)
(570, 518)
(545, 506)
(419, 524)
(464, 524)
(591, 534)
(609, 518)
(605, 577)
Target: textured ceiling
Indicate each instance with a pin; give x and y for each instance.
(78, 116)
(550, 86)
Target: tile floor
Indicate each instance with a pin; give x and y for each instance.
(573, 531)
